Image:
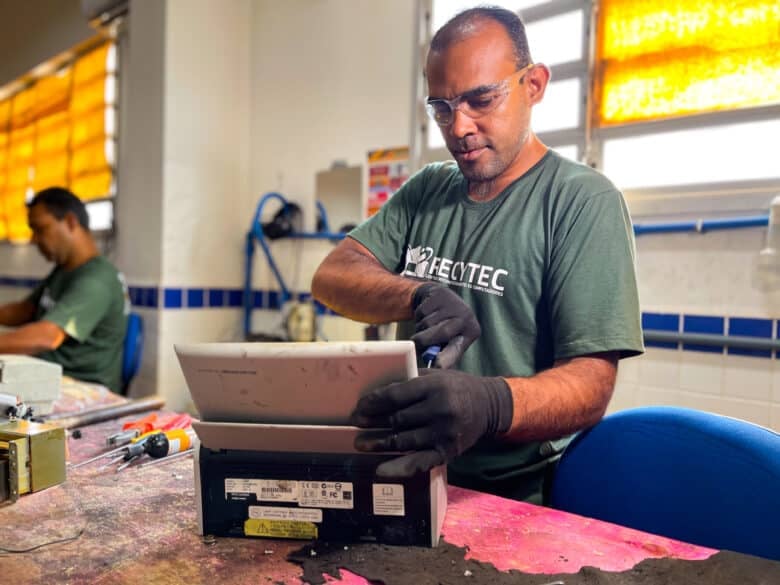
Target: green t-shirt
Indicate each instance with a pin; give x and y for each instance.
(91, 305)
(547, 267)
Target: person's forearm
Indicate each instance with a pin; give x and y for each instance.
(353, 283)
(32, 338)
(570, 396)
(15, 314)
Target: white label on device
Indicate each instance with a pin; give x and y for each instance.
(388, 499)
(270, 490)
(277, 513)
(326, 494)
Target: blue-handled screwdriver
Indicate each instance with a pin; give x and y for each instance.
(430, 354)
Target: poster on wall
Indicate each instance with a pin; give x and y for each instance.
(388, 169)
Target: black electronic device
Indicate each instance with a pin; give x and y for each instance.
(277, 457)
(312, 495)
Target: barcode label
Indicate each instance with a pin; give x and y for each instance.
(272, 490)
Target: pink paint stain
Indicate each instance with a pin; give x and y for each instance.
(533, 539)
(347, 578)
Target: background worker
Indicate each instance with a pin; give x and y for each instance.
(77, 315)
(527, 268)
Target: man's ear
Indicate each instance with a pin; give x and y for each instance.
(536, 82)
(71, 220)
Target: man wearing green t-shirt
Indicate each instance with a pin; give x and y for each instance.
(77, 315)
(517, 262)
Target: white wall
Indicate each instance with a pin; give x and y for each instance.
(140, 177)
(205, 167)
(331, 80)
(717, 274)
(260, 96)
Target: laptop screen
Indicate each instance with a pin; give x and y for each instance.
(292, 383)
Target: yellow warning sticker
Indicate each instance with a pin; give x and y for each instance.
(280, 528)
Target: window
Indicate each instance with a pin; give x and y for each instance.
(687, 100)
(662, 59)
(625, 159)
(59, 129)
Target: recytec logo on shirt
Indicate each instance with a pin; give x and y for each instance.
(422, 262)
(47, 302)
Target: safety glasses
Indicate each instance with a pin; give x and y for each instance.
(476, 102)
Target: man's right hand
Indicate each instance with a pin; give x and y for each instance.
(442, 318)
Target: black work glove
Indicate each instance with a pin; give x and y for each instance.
(443, 319)
(437, 416)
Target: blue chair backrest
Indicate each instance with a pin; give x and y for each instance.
(133, 349)
(690, 475)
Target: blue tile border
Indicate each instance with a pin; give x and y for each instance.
(258, 299)
(235, 297)
(216, 297)
(22, 281)
(274, 300)
(745, 327)
(173, 298)
(661, 322)
(154, 297)
(703, 324)
(195, 298)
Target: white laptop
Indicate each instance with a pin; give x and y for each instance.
(290, 383)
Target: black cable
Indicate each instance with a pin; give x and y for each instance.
(4, 550)
(76, 495)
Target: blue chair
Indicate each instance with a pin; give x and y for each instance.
(133, 349)
(685, 474)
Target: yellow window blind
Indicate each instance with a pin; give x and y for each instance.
(21, 151)
(23, 108)
(52, 94)
(92, 65)
(90, 173)
(58, 131)
(664, 59)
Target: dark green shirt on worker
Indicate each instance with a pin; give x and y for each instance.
(547, 267)
(90, 304)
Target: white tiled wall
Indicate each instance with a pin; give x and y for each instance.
(718, 274)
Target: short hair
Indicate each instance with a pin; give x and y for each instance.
(465, 23)
(59, 202)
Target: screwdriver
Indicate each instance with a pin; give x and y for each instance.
(151, 422)
(430, 354)
(169, 442)
(122, 438)
(158, 444)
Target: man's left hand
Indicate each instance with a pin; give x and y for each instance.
(435, 416)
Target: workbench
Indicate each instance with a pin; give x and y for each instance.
(139, 526)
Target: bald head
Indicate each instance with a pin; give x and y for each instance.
(471, 22)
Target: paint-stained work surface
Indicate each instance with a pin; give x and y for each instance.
(139, 527)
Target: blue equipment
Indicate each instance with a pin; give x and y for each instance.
(132, 350)
(256, 235)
